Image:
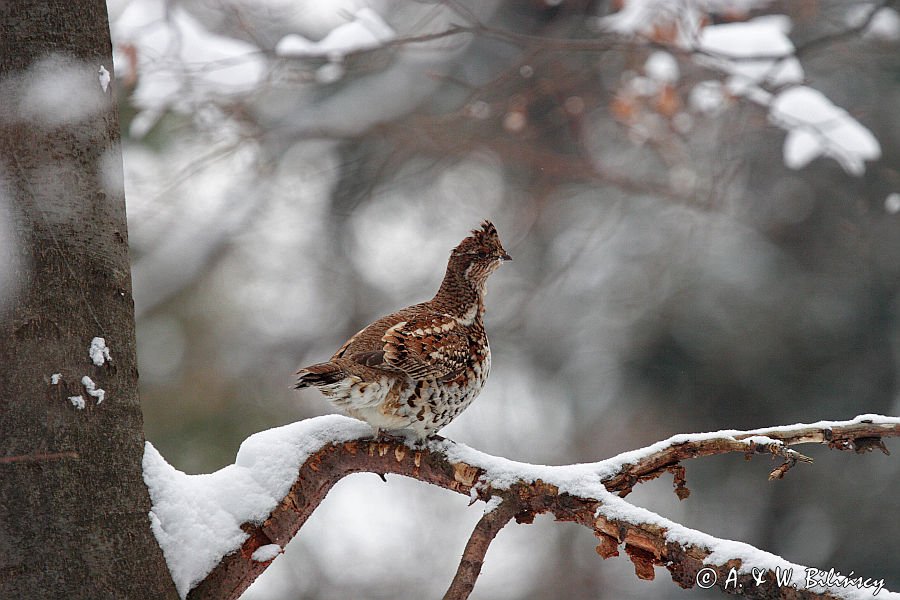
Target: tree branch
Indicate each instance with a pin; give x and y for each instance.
(493, 520)
(610, 40)
(668, 458)
(583, 494)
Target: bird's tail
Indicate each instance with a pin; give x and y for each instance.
(318, 375)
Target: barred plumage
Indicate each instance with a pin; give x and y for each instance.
(420, 367)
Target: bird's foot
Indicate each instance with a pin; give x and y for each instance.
(407, 437)
(384, 436)
(423, 442)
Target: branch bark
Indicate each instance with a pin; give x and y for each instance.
(583, 494)
(473, 556)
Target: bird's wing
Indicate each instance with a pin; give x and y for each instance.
(342, 351)
(422, 346)
(365, 346)
(426, 348)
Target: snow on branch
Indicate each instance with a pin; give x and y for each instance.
(182, 65)
(761, 64)
(367, 30)
(220, 531)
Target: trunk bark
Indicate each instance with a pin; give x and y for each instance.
(73, 505)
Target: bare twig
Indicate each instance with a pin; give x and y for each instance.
(655, 463)
(609, 40)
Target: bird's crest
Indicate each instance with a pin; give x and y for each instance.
(487, 230)
(484, 240)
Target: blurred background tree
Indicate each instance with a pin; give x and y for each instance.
(700, 240)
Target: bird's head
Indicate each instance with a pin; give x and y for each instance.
(479, 255)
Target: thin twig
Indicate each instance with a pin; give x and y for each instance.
(658, 462)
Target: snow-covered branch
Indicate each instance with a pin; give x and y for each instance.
(220, 531)
(753, 59)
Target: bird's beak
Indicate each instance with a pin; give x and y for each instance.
(505, 256)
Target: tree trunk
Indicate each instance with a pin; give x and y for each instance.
(73, 505)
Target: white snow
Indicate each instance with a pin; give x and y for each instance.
(755, 55)
(266, 553)
(731, 47)
(329, 73)
(817, 127)
(55, 378)
(91, 388)
(800, 147)
(77, 402)
(179, 61)
(662, 67)
(892, 203)
(884, 26)
(707, 97)
(584, 480)
(758, 53)
(104, 78)
(646, 18)
(99, 351)
(196, 518)
(492, 504)
(722, 551)
(367, 30)
(760, 439)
